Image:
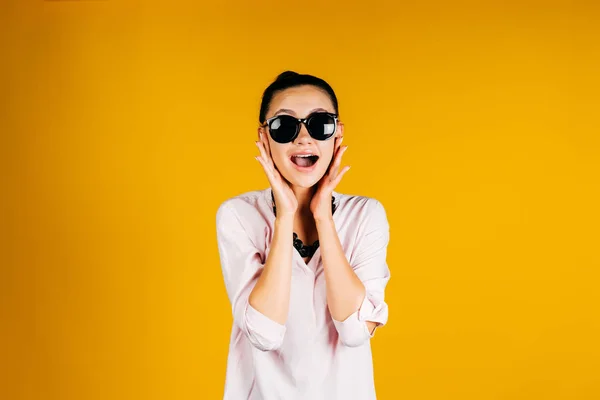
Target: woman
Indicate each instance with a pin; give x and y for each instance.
(303, 314)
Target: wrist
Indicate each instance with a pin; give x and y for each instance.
(323, 219)
(284, 218)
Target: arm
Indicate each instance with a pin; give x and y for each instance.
(355, 292)
(345, 292)
(271, 294)
(258, 292)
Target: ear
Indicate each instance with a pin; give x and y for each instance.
(340, 130)
(259, 131)
(339, 133)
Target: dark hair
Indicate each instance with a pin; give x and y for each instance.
(289, 79)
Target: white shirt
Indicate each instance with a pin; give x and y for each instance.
(312, 356)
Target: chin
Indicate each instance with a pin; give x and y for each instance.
(304, 181)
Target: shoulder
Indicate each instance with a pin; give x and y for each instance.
(245, 208)
(362, 214)
(361, 207)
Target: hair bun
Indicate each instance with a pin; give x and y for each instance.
(287, 75)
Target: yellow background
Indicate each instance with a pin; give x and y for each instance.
(125, 124)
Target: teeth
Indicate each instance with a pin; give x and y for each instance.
(304, 155)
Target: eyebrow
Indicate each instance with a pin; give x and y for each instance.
(288, 111)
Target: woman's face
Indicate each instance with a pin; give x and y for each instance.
(300, 102)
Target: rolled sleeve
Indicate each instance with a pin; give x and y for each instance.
(264, 333)
(242, 264)
(353, 331)
(371, 267)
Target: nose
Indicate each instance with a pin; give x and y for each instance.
(303, 136)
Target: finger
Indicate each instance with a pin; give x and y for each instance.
(339, 142)
(338, 178)
(263, 164)
(265, 140)
(263, 154)
(336, 148)
(337, 161)
(268, 171)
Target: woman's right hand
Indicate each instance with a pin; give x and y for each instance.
(285, 199)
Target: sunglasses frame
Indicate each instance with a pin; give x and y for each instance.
(304, 121)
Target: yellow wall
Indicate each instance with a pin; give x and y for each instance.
(125, 124)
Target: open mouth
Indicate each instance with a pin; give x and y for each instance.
(305, 161)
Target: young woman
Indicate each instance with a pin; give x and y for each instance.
(304, 266)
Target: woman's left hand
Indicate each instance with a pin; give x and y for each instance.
(320, 205)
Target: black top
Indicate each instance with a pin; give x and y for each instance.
(304, 250)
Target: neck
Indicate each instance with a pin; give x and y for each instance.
(304, 196)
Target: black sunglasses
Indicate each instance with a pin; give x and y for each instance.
(285, 128)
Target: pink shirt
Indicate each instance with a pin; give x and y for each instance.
(312, 356)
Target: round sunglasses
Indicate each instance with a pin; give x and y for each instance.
(285, 128)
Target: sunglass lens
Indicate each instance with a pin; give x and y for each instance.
(283, 128)
(321, 126)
